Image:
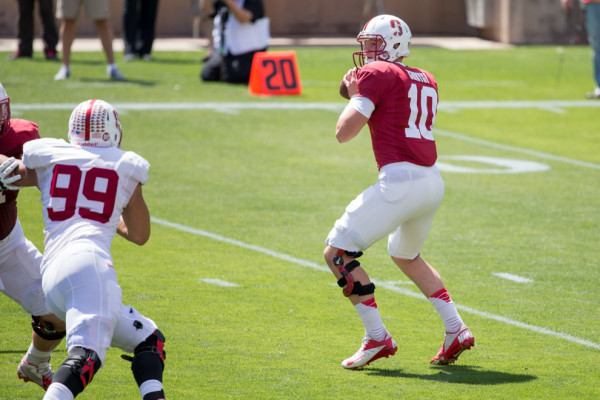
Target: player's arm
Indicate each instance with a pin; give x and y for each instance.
(349, 124)
(14, 174)
(240, 13)
(357, 112)
(135, 220)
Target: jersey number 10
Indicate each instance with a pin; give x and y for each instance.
(423, 106)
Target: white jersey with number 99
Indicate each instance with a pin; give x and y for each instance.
(84, 190)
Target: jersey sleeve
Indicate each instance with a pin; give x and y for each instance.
(39, 153)
(137, 167)
(26, 130)
(432, 81)
(20, 132)
(372, 83)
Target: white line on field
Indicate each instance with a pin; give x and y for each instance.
(384, 284)
(219, 282)
(534, 153)
(231, 107)
(549, 105)
(512, 277)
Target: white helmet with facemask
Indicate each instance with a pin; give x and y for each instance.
(392, 36)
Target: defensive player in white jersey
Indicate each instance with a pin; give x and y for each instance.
(90, 189)
(20, 260)
(399, 104)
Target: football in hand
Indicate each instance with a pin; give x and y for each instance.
(344, 90)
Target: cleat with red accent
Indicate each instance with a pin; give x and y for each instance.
(454, 344)
(39, 374)
(370, 351)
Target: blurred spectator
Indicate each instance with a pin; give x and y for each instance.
(240, 30)
(26, 25)
(98, 11)
(204, 13)
(139, 19)
(592, 24)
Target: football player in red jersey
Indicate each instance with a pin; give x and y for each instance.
(399, 105)
(20, 277)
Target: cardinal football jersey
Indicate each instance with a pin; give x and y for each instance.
(11, 145)
(84, 190)
(405, 102)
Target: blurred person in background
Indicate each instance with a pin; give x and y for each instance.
(139, 20)
(203, 23)
(591, 9)
(240, 30)
(97, 10)
(26, 29)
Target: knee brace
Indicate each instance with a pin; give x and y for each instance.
(45, 329)
(351, 286)
(78, 370)
(148, 361)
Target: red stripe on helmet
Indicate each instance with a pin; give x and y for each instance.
(88, 117)
(368, 22)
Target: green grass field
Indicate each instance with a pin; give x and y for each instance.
(244, 190)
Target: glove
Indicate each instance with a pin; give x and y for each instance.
(6, 168)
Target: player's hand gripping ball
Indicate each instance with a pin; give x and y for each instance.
(344, 90)
(349, 84)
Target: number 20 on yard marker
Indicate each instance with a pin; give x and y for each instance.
(274, 73)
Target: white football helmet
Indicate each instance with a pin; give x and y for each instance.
(95, 123)
(4, 111)
(393, 37)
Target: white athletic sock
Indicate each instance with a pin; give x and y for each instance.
(150, 386)
(371, 319)
(445, 307)
(58, 391)
(35, 356)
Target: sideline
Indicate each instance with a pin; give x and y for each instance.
(200, 44)
(386, 285)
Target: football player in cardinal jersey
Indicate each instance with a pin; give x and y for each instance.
(20, 260)
(399, 104)
(90, 189)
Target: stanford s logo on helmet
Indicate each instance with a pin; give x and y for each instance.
(95, 123)
(4, 111)
(393, 36)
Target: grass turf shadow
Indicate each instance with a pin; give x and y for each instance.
(458, 374)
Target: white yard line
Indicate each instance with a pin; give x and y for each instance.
(219, 282)
(387, 285)
(551, 105)
(512, 277)
(539, 154)
(450, 106)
